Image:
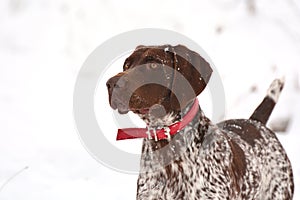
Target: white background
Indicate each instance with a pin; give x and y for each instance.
(44, 43)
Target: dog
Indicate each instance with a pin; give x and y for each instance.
(185, 155)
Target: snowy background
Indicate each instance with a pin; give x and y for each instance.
(43, 44)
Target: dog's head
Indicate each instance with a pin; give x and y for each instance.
(158, 80)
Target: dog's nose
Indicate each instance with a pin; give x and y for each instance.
(116, 87)
(116, 82)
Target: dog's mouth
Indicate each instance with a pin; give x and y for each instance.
(121, 107)
(124, 109)
(155, 116)
(154, 111)
(141, 111)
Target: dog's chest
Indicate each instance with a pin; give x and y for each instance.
(184, 168)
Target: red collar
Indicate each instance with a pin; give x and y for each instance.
(132, 133)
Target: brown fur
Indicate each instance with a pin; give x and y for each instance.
(235, 159)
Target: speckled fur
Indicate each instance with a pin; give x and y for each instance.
(235, 159)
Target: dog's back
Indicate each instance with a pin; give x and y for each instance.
(264, 169)
(264, 164)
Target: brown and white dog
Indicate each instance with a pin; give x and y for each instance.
(185, 155)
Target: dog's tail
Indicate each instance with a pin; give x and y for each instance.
(264, 110)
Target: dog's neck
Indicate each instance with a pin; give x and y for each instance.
(155, 123)
(159, 154)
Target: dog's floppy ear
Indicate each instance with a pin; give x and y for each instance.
(194, 69)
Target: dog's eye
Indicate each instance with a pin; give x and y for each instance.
(126, 66)
(153, 65)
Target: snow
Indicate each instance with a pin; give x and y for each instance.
(44, 43)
